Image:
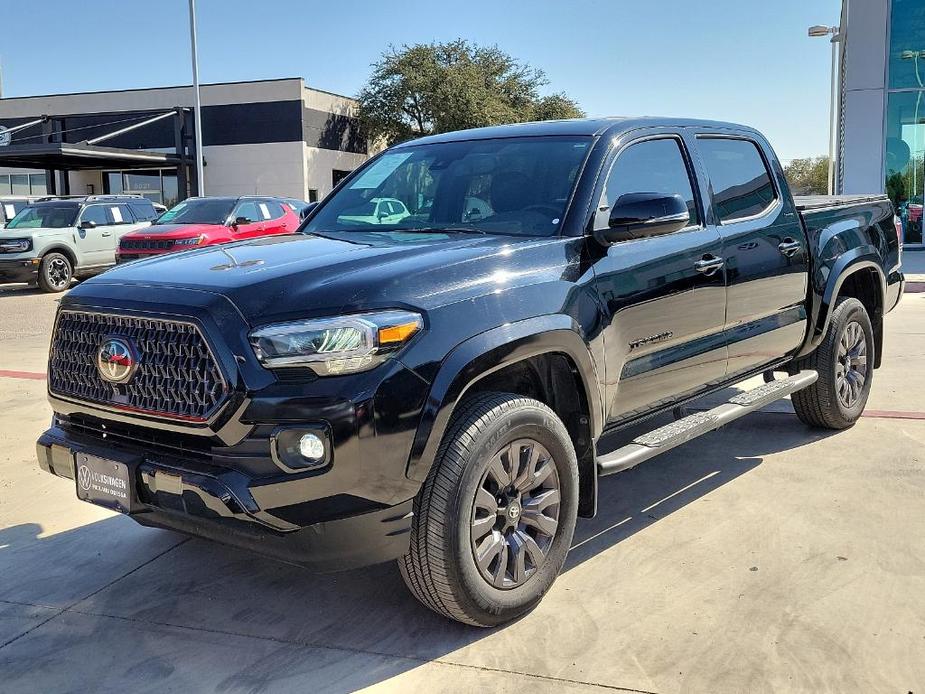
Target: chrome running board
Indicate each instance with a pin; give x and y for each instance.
(683, 430)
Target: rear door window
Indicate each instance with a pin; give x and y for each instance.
(274, 209)
(121, 214)
(742, 185)
(143, 210)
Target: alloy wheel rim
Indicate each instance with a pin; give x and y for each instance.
(851, 365)
(515, 514)
(58, 273)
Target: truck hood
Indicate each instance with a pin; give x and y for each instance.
(284, 277)
(34, 232)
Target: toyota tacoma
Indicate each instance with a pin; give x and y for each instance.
(432, 387)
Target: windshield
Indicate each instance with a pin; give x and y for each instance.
(46, 216)
(204, 211)
(516, 186)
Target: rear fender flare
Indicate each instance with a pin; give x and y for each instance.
(847, 264)
(486, 353)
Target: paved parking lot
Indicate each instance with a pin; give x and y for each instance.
(763, 557)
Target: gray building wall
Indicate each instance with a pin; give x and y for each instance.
(865, 38)
(271, 137)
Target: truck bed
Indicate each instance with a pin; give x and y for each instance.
(816, 202)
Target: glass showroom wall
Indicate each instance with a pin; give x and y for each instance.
(905, 117)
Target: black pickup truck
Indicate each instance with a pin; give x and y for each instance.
(424, 372)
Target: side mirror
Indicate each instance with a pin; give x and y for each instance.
(88, 224)
(308, 209)
(641, 215)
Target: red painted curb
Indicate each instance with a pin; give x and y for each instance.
(29, 375)
(893, 414)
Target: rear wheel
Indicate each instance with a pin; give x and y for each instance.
(495, 518)
(55, 272)
(844, 361)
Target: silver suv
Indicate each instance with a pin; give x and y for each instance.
(54, 240)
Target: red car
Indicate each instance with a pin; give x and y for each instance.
(207, 221)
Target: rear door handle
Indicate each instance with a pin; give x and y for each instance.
(789, 247)
(709, 264)
(106, 233)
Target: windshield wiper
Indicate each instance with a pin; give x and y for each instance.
(437, 230)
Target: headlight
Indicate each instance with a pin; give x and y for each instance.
(15, 245)
(195, 241)
(333, 346)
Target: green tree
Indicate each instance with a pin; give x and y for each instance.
(809, 176)
(439, 87)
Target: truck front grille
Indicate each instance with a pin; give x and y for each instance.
(146, 244)
(174, 375)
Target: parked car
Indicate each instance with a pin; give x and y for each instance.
(434, 390)
(11, 205)
(53, 240)
(377, 211)
(300, 207)
(209, 221)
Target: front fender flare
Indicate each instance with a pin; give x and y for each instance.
(486, 353)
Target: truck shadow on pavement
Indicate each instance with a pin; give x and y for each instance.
(133, 603)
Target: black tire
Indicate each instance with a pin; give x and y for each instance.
(55, 272)
(440, 568)
(825, 404)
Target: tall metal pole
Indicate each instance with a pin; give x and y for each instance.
(200, 180)
(832, 115)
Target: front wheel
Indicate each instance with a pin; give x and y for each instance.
(845, 363)
(495, 518)
(55, 272)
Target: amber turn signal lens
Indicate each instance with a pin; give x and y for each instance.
(397, 333)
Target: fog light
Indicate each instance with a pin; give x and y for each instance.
(302, 447)
(311, 447)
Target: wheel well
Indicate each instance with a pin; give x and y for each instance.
(864, 285)
(554, 380)
(66, 252)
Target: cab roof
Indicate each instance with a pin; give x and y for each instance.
(577, 127)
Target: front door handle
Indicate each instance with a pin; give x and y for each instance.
(789, 247)
(709, 264)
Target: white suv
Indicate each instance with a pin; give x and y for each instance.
(54, 240)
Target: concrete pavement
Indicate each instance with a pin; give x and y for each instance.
(763, 557)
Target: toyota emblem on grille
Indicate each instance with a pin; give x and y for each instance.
(115, 360)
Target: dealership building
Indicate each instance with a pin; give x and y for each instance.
(268, 137)
(881, 134)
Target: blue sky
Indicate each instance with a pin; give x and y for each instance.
(739, 60)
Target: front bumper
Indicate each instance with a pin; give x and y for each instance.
(19, 270)
(223, 478)
(217, 504)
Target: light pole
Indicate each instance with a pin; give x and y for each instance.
(197, 111)
(818, 31)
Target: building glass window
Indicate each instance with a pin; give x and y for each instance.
(4, 184)
(905, 159)
(157, 185)
(20, 184)
(907, 44)
(37, 184)
(113, 181)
